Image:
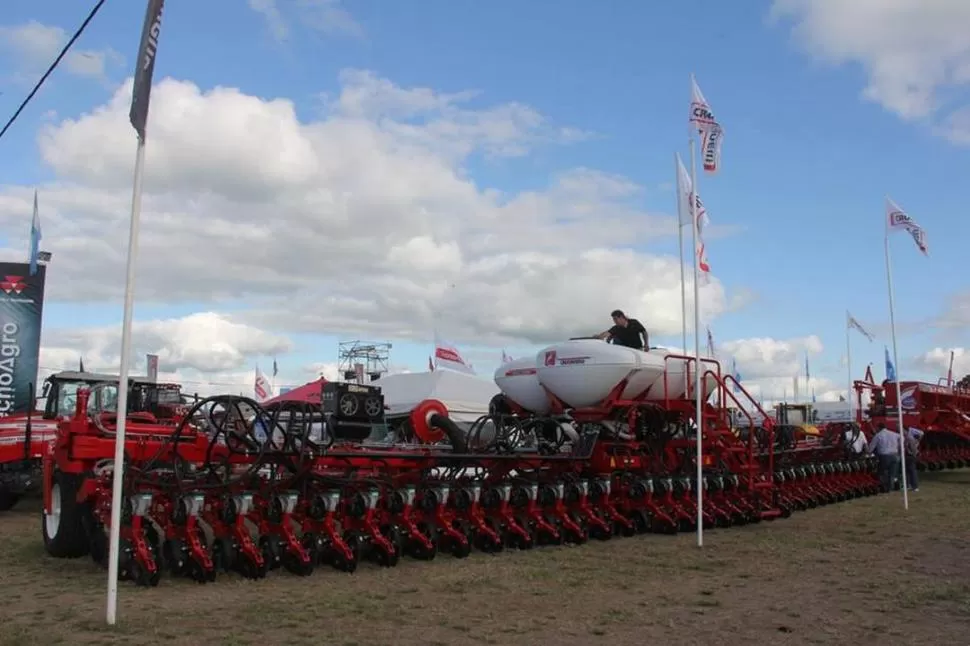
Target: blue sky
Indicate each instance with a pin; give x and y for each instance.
(806, 160)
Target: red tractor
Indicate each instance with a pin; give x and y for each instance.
(24, 436)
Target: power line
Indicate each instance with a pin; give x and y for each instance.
(57, 61)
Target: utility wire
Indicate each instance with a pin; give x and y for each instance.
(57, 61)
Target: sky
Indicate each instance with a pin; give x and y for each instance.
(502, 173)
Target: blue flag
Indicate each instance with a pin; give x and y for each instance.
(737, 375)
(890, 369)
(35, 236)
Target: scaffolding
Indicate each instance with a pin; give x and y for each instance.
(360, 359)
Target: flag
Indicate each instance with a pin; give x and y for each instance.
(35, 236)
(898, 220)
(80, 364)
(813, 394)
(430, 364)
(841, 398)
(737, 375)
(949, 372)
(711, 133)
(685, 187)
(890, 369)
(808, 374)
(710, 344)
(276, 369)
(448, 356)
(147, 49)
(852, 323)
(261, 387)
(505, 357)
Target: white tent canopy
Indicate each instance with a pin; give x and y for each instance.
(465, 396)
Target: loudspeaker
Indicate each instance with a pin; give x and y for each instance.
(353, 409)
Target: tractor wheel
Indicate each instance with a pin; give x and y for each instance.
(8, 499)
(63, 527)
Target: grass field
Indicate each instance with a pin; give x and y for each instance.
(861, 572)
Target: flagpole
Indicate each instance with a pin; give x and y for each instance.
(848, 366)
(680, 241)
(899, 398)
(138, 115)
(698, 391)
(119, 459)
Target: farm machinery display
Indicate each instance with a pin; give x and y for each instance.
(24, 436)
(941, 411)
(588, 441)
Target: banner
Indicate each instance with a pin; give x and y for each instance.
(21, 305)
(147, 48)
(152, 361)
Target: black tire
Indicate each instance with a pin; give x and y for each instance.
(8, 499)
(65, 536)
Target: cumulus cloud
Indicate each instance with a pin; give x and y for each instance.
(204, 342)
(769, 368)
(35, 46)
(363, 221)
(916, 53)
(937, 362)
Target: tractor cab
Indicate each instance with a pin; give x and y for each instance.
(802, 416)
(144, 396)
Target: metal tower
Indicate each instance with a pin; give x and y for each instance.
(358, 359)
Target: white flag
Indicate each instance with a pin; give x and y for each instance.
(685, 186)
(711, 133)
(261, 387)
(897, 219)
(448, 356)
(852, 323)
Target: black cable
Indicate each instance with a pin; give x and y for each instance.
(57, 61)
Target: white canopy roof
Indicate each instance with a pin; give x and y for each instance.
(466, 396)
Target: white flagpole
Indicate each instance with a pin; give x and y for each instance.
(848, 366)
(680, 241)
(698, 369)
(138, 115)
(119, 461)
(899, 398)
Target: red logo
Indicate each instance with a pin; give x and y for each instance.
(551, 358)
(448, 354)
(13, 284)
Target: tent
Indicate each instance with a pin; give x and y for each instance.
(466, 396)
(311, 393)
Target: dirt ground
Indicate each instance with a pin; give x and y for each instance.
(861, 572)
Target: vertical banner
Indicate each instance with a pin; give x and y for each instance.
(147, 48)
(21, 307)
(152, 362)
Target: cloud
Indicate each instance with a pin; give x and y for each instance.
(325, 16)
(205, 342)
(915, 53)
(35, 46)
(937, 362)
(364, 221)
(768, 368)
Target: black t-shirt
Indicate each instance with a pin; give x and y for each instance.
(629, 336)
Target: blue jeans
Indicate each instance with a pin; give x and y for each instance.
(912, 477)
(887, 470)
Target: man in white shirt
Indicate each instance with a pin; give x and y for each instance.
(885, 446)
(855, 439)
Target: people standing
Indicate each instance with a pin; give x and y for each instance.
(885, 446)
(911, 441)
